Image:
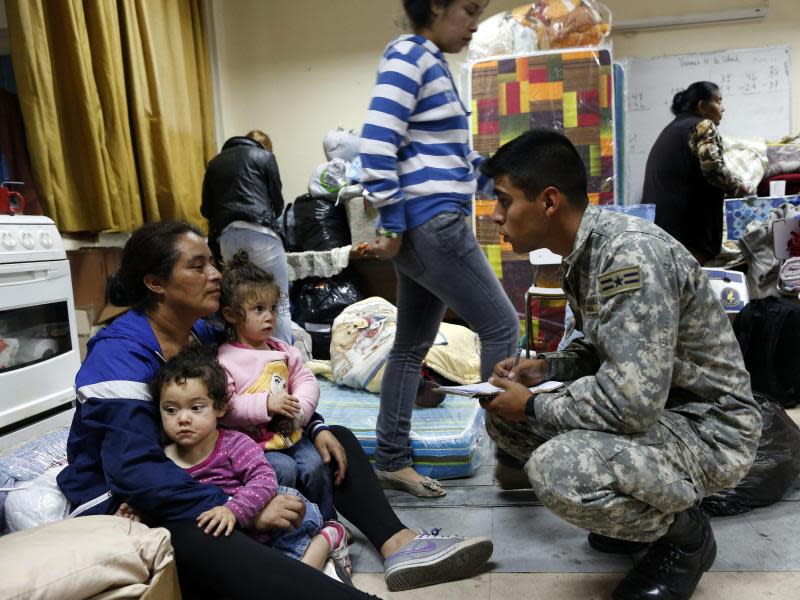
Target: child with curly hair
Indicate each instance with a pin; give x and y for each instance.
(191, 391)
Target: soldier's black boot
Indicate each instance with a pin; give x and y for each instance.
(674, 564)
(610, 545)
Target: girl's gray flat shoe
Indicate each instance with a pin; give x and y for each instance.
(425, 488)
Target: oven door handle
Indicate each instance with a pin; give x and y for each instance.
(29, 276)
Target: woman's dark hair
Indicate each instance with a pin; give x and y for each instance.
(419, 11)
(538, 159)
(151, 250)
(193, 362)
(243, 281)
(686, 101)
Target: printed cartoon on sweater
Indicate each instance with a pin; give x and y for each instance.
(281, 432)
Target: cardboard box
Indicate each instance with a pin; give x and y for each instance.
(730, 287)
(90, 269)
(83, 324)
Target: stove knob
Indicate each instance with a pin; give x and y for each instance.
(9, 241)
(27, 240)
(46, 239)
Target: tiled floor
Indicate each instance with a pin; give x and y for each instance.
(538, 556)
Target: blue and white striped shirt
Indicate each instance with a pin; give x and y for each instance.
(415, 154)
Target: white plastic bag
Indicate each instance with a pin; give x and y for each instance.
(339, 143)
(328, 178)
(502, 34)
(541, 25)
(36, 502)
(745, 158)
(302, 341)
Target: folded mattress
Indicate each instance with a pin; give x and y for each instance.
(446, 441)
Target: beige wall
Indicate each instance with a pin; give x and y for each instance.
(299, 68)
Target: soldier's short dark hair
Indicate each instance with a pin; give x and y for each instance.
(538, 159)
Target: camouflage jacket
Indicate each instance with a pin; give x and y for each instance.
(658, 346)
(706, 143)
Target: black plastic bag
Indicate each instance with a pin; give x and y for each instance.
(768, 331)
(289, 230)
(320, 223)
(316, 302)
(776, 466)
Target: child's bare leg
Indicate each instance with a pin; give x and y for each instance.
(317, 552)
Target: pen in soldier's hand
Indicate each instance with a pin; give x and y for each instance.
(516, 359)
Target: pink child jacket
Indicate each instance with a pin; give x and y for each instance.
(254, 374)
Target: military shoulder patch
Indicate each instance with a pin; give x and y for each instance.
(621, 280)
(592, 306)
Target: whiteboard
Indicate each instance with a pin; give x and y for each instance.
(755, 89)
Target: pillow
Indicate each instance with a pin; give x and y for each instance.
(82, 557)
(363, 334)
(459, 356)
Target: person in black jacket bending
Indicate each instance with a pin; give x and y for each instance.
(686, 177)
(242, 201)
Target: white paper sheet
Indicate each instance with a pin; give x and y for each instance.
(487, 389)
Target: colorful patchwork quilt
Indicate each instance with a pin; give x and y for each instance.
(570, 90)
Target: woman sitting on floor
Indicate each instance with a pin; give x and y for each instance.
(168, 276)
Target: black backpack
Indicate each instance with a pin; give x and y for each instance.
(768, 331)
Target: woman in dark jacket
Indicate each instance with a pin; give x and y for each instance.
(686, 177)
(242, 201)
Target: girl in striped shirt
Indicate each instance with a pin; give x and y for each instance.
(420, 172)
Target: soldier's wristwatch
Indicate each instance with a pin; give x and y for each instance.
(530, 408)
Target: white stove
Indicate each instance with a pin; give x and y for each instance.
(39, 355)
(28, 238)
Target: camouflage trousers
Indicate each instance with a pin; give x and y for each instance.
(624, 486)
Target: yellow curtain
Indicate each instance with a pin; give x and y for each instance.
(117, 108)
(170, 104)
(72, 98)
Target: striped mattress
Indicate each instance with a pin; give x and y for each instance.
(446, 441)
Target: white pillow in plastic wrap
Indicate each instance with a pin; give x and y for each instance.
(501, 34)
(36, 502)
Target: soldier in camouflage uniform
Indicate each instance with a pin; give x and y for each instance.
(659, 411)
